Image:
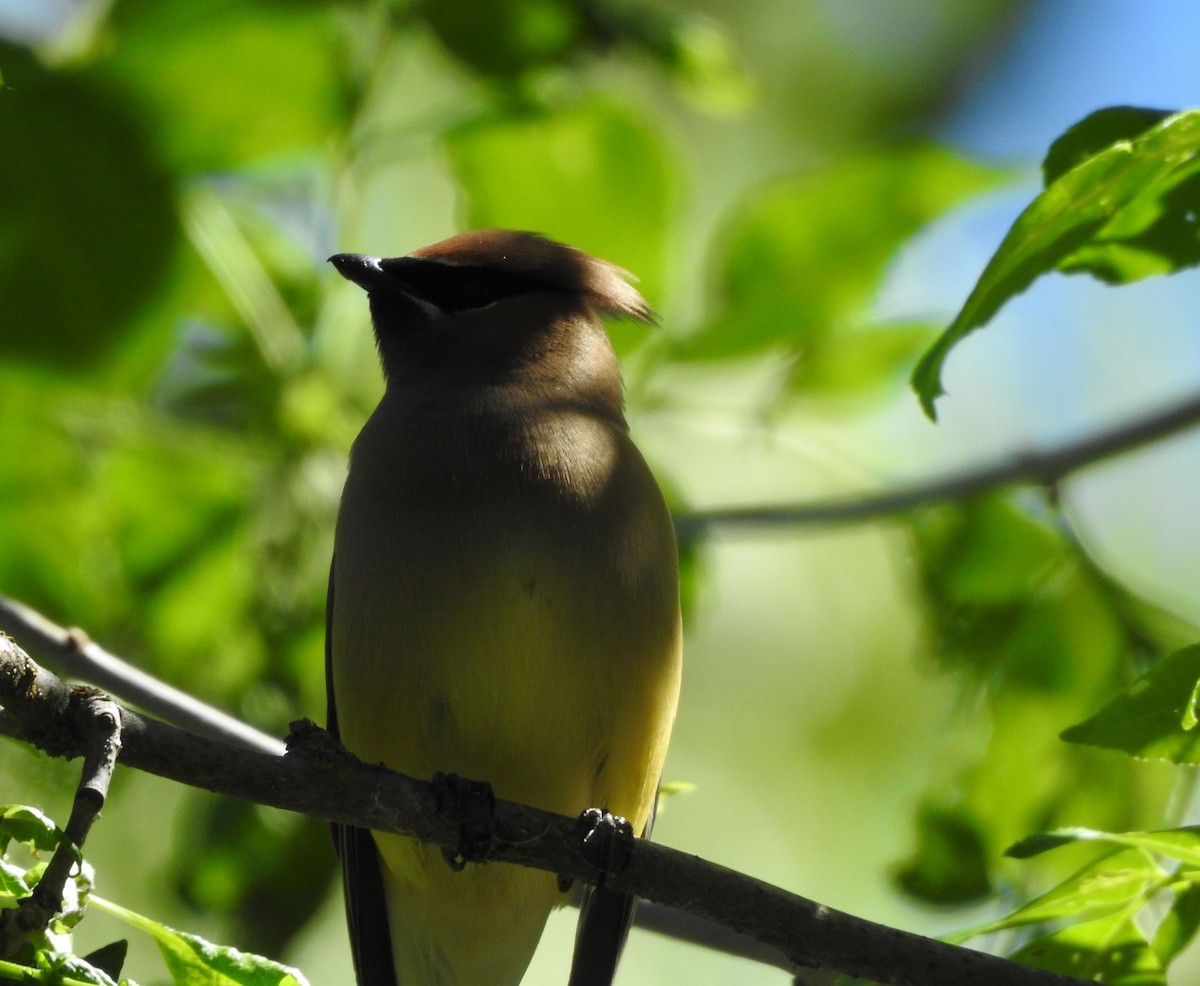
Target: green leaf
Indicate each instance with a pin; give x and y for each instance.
(1155, 234)
(193, 961)
(802, 262)
(1182, 844)
(12, 881)
(593, 174)
(1126, 212)
(58, 966)
(21, 823)
(1035, 845)
(87, 218)
(1111, 950)
(1179, 925)
(109, 958)
(1156, 718)
(1106, 885)
(77, 892)
(1093, 134)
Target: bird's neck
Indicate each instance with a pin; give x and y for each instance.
(491, 435)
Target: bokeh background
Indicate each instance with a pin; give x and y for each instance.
(807, 190)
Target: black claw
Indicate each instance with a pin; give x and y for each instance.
(471, 805)
(607, 840)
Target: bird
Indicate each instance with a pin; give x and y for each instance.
(504, 595)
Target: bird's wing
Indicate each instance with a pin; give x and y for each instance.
(362, 882)
(604, 921)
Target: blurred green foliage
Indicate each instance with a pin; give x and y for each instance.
(180, 381)
(810, 252)
(115, 189)
(1039, 637)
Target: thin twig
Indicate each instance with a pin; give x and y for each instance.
(99, 721)
(96, 719)
(319, 779)
(1047, 468)
(76, 655)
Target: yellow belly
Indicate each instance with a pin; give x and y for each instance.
(539, 655)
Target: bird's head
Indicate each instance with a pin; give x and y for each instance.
(491, 303)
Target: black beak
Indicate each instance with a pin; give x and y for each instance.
(361, 270)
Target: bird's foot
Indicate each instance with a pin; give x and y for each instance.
(607, 840)
(470, 805)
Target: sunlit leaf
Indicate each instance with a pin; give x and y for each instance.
(21, 823)
(1178, 927)
(1156, 718)
(1182, 844)
(58, 965)
(1111, 950)
(1126, 212)
(192, 960)
(12, 881)
(1155, 234)
(1094, 133)
(1106, 885)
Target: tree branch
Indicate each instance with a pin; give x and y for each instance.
(97, 719)
(184, 710)
(80, 657)
(1047, 468)
(319, 779)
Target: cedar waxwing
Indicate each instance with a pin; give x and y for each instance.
(504, 599)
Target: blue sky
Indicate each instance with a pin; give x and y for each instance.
(1072, 56)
